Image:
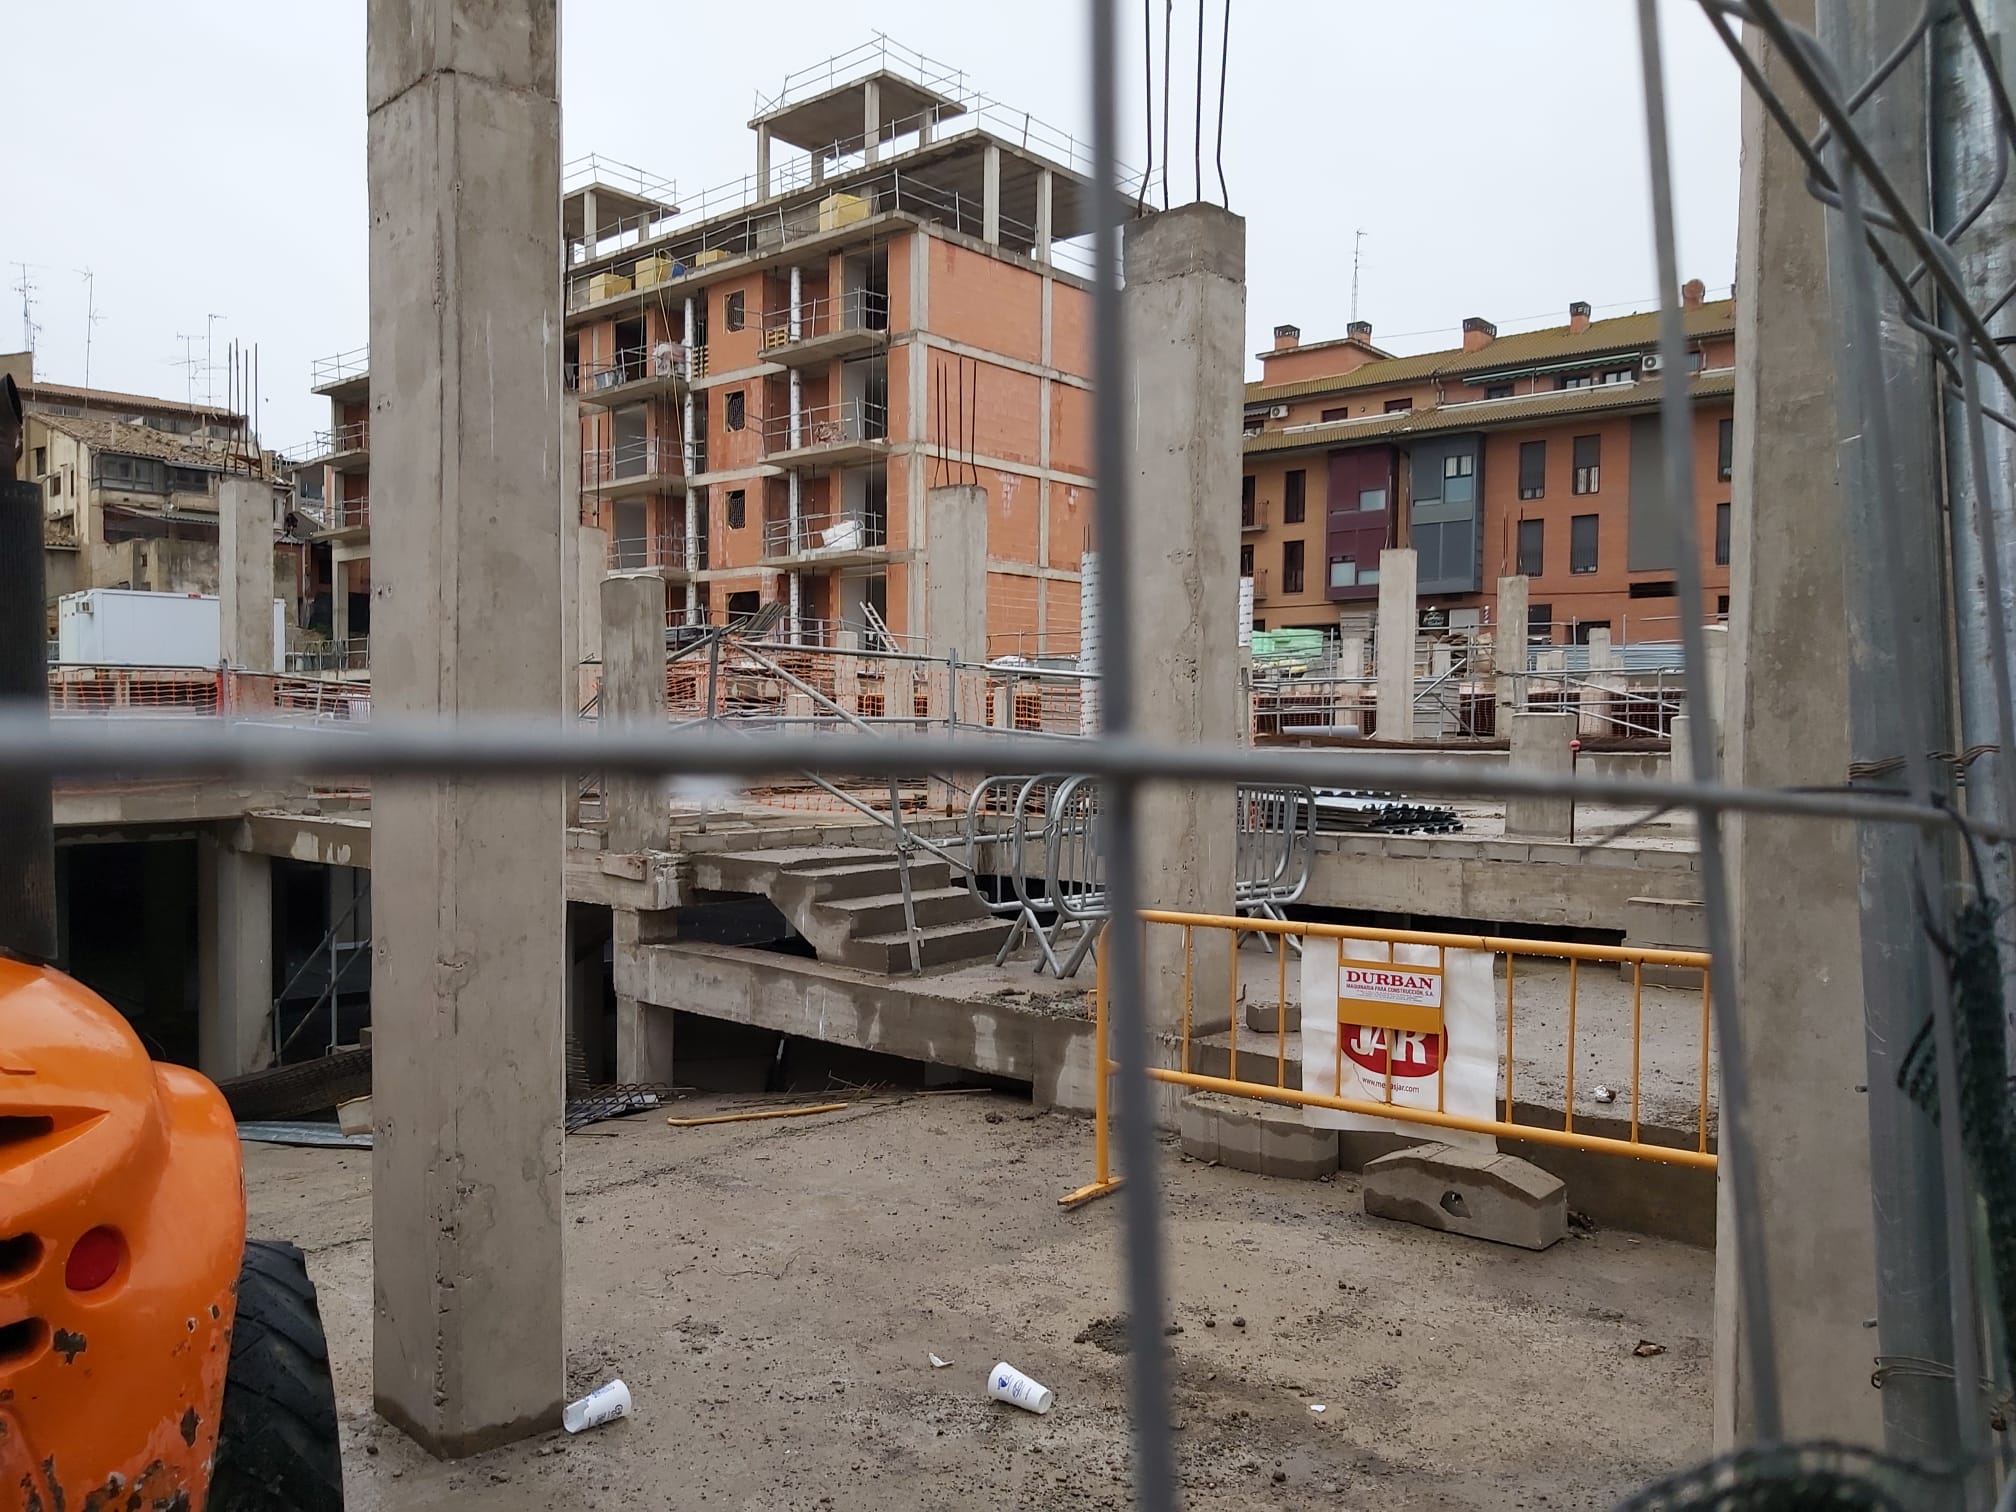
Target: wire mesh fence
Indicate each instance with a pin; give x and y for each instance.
(1912, 130)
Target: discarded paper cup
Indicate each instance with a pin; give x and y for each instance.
(1007, 1384)
(604, 1404)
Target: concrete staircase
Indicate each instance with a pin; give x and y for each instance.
(849, 904)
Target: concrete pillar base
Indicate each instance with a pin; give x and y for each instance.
(1540, 744)
(234, 909)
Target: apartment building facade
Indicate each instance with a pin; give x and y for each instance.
(129, 483)
(1538, 453)
(772, 384)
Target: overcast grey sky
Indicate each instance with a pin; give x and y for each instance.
(208, 158)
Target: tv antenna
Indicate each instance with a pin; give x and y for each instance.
(1357, 252)
(188, 363)
(26, 289)
(209, 366)
(91, 317)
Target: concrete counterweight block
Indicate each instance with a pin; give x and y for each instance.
(1467, 1191)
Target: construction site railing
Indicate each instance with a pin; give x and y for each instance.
(665, 359)
(325, 372)
(665, 548)
(853, 310)
(826, 534)
(648, 457)
(1401, 1023)
(836, 424)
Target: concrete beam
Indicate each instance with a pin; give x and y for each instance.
(1397, 577)
(1185, 308)
(469, 967)
(1460, 1189)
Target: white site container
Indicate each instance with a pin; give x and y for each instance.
(122, 627)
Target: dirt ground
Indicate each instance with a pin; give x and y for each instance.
(771, 1293)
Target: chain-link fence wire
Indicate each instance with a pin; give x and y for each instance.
(1921, 266)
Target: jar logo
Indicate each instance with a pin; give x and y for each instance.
(1414, 1054)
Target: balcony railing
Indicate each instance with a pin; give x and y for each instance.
(825, 534)
(848, 422)
(1259, 584)
(353, 513)
(327, 371)
(1253, 514)
(666, 360)
(344, 438)
(652, 457)
(352, 655)
(642, 553)
(855, 310)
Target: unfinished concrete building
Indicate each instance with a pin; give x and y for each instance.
(774, 376)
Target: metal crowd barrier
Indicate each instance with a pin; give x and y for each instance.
(1181, 1056)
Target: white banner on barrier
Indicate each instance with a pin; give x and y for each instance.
(1414, 983)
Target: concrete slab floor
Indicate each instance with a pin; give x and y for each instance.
(771, 1292)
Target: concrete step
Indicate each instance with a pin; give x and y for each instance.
(863, 879)
(938, 945)
(881, 913)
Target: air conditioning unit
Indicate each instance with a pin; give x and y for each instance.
(1649, 362)
(1277, 412)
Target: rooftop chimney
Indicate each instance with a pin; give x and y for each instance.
(1692, 293)
(1359, 330)
(1578, 316)
(1287, 336)
(1478, 333)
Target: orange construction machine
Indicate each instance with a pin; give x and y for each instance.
(150, 1358)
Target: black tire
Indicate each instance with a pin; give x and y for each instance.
(277, 1446)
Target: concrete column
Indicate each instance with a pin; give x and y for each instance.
(1680, 764)
(643, 1030)
(762, 162)
(1185, 327)
(1794, 884)
(234, 965)
(1045, 214)
(1397, 576)
(847, 671)
(1600, 654)
(1715, 640)
(1351, 655)
(633, 698)
(468, 970)
(245, 572)
(871, 121)
(589, 228)
(1540, 744)
(990, 195)
(1509, 646)
(954, 564)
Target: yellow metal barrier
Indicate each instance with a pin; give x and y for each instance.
(1396, 1019)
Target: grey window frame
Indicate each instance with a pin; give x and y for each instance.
(1576, 564)
(1533, 489)
(1536, 565)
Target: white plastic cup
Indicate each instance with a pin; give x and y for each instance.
(604, 1404)
(1007, 1384)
